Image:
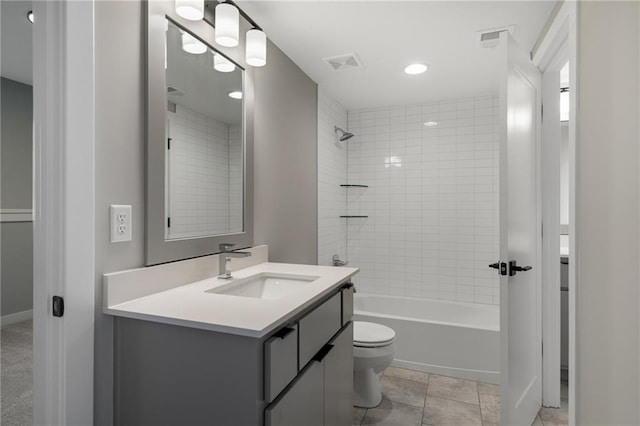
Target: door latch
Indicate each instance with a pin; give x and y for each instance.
(500, 266)
(57, 308)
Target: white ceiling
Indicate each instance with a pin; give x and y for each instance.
(388, 35)
(16, 48)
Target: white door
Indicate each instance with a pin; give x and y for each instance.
(520, 236)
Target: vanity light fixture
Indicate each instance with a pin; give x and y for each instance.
(256, 49)
(30, 16)
(222, 64)
(414, 69)
(190, 44)
(235, 95)
(430, 123)
(227, 25)
(192, 10)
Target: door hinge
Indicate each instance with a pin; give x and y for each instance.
(168, 222)
(168, 143)
(57, 308)
(541, 113)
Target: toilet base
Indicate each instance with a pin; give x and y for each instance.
(366, 388)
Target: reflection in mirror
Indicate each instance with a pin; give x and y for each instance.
(204, 164)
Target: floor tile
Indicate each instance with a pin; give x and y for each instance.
(537, 421)
(358, 415)
(452, 388)
(447, 412)
(392, 413)
(488, 389)
(403, 373)
(489, 409)
(551, 416)
(404, 391)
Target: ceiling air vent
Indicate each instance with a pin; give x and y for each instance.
(349, 61)
(491, 37)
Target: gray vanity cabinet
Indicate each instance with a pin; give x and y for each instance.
(322, 393)
(302, 403)
(338, 380)
(299, 375)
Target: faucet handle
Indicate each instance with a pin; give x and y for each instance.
(225, 247)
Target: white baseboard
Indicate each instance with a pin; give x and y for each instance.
(15, 318)
(460, 373)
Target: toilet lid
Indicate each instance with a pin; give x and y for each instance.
(369, 334)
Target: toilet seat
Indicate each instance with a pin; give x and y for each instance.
(372, 335)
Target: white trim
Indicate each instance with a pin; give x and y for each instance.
(16, 317)
(64, 229)
(556, 48)
(551, 136)
(16, 215)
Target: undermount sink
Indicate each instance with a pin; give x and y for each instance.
(266, 285)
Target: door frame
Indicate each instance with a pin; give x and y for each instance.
(557, 46)
(64, 211)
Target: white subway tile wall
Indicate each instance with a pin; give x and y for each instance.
(332, 172)
(432, 201)
(205, 192)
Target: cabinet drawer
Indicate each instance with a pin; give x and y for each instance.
(347, 302)
(280, 361)
(302, 403)
(317, 328)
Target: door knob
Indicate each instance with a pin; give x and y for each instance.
(513, 268)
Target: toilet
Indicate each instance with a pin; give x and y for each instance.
(373, 351)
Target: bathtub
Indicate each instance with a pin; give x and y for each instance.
(450, 338)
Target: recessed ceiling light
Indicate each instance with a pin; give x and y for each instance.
(415, 69)
(30, 16)
(235, 95)
(430, 123)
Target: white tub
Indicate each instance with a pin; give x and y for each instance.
(450, 338)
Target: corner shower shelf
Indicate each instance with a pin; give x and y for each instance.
(353, 217)
(346, 185)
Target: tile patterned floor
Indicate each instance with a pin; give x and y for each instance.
(414, 398)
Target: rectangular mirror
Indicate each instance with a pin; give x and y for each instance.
(199, 140)
(204, 189)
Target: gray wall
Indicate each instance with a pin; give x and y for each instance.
(607, 214)
(286, 161)
(281, 90)
(120, 169)
(17, 181)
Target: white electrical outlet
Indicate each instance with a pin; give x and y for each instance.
(120, 223)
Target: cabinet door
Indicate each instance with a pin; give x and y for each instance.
(302, 404)
(338, 380)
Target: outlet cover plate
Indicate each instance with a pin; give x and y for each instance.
(120, 223)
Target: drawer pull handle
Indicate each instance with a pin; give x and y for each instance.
(348, 286)
(284, 332)
(322, 353)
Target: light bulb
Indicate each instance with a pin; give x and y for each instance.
(256, 55)
(192, 10)
(227, 25)
(222, 64)
(190, 44)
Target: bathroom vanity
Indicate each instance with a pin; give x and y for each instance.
(272, 346)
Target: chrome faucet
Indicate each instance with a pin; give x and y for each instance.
(337, 262)
(225, 257)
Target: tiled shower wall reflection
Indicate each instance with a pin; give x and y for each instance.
(432, 200)
(205, 175)
(332, 172)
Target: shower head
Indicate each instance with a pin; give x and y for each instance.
(342, 135)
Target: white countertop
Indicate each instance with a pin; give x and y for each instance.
(191, 306)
